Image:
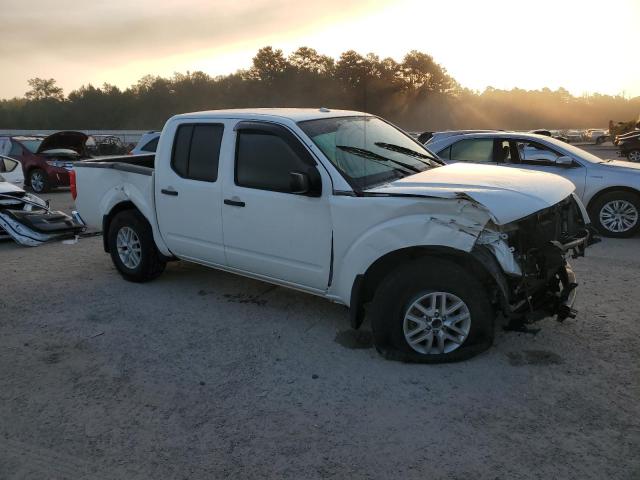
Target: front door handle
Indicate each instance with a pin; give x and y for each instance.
(234, 203)
(173, 193)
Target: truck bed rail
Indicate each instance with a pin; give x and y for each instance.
(140, 164)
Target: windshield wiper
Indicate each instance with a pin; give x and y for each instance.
(362, 152)
(404, 150)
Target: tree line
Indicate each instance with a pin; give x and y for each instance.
(416, 93)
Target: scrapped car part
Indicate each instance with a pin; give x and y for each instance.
(30, 222)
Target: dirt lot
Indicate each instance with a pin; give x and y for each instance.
(202, 374)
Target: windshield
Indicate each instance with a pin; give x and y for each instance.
(31, 145)
(368, 151)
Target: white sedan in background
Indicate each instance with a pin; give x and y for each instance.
(11, 171)
(609, 188)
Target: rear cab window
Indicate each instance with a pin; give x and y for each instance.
(196, 151)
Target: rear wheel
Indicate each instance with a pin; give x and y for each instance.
(133, 250)
(431, 311)
(617, 214)
(634, 156)
(38, 181)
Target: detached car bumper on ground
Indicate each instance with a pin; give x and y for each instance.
(29, 221)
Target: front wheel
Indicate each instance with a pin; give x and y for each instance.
(634, 156)
(133, 250)
(431, 311)
(38, 181)
(617, 214)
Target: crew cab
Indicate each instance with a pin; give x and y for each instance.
(345, 206)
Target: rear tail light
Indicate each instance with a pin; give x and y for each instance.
(72, 184)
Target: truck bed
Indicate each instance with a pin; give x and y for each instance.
(143, 164)
(104, 182)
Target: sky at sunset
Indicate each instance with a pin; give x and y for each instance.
(584, 46)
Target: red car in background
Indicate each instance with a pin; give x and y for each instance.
(46, 161)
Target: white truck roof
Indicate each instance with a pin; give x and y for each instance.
(294, 114)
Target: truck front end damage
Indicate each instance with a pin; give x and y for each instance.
(29, 221)
(537, 280)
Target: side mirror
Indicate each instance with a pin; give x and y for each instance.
(299, 183)
(564, 161)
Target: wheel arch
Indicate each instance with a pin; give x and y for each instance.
(604, 191)
(479, 263)
(108, 218)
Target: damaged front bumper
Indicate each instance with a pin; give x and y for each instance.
(30, 222)
(535, 279)
(555, 299)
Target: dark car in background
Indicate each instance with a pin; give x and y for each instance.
(104, 145)
(47, 161)
(148, 143)
(629, 145)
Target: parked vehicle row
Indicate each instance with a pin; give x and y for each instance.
(609, 188)
(348, 207)
(47, 161)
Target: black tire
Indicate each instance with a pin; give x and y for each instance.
(635, 154)
(600, 202)
(38, 181)
(411, 280)
(150, 264)
(600, 140)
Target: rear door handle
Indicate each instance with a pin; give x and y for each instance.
(173, 193)
(234, 203)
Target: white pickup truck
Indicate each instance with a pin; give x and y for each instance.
(346, 206)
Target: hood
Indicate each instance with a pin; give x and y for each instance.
(508, 193)
(75, 141)
(617, 164)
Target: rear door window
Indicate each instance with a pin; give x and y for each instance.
(196, 151)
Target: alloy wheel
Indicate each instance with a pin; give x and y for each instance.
(129, 247)
(436, 323)
(37, 181)
(618, 216)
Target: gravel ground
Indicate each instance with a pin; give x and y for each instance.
(202, 374)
